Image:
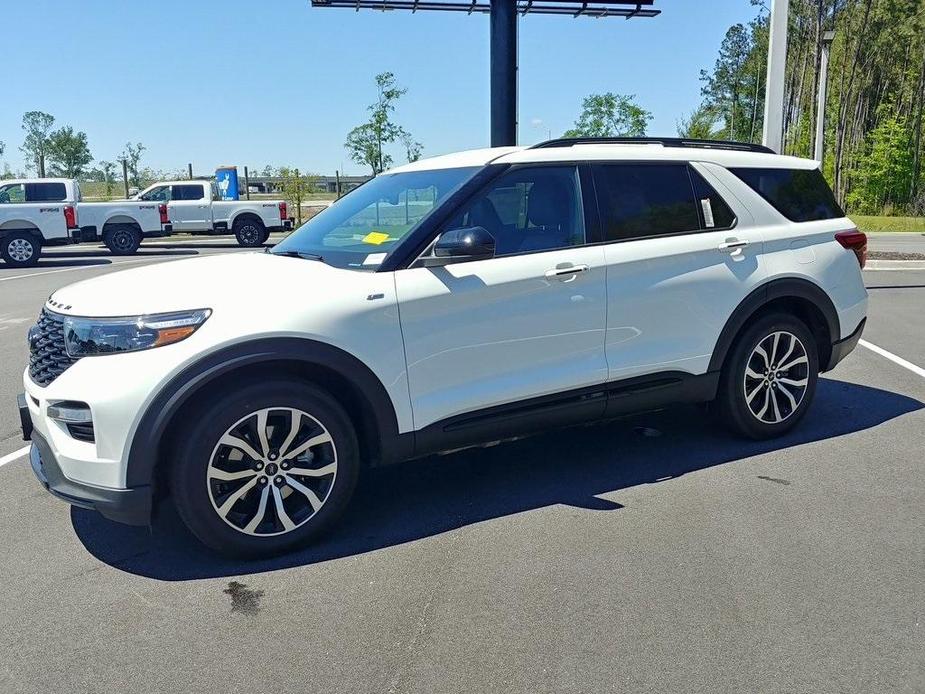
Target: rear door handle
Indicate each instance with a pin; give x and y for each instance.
(564, 272)
(732, 245)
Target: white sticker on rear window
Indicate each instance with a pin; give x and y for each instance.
(707, 213)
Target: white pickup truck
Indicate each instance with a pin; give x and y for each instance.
(197, 207)
(49, 212)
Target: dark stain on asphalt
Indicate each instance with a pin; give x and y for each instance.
(243, 599)
(774, 479)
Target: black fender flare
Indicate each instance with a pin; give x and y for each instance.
(145, 448)
(787, 287)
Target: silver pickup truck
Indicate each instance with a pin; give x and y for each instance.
(40, 212)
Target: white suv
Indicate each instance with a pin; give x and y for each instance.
(452, 302)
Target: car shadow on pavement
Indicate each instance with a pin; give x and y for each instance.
(419, 499)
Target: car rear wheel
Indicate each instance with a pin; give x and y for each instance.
(122, 239)
(250, 232)
(769, 379)
(265, 469)
(20, 249)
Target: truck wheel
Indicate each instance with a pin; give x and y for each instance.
(250, 232)
(264, 467)
(122, 239)
(20, 249)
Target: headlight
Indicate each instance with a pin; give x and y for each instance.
(85, 337)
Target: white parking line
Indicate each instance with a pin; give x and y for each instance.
(15, 455)
(893, 358)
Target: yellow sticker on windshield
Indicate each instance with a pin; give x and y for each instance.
(375, 238)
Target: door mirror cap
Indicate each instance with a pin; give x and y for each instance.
(469, 243)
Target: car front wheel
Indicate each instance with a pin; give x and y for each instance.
(265, 469)
(769, 379)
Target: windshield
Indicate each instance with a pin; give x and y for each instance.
(362, 228)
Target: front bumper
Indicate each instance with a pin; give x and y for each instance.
(131, 506)
(842, 348)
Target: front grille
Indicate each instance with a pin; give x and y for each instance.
(48, 358)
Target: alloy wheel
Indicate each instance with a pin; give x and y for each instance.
(123, 240)
(250, 235)
(272, 471)
(776, 377)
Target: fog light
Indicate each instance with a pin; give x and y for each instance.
(70, 413)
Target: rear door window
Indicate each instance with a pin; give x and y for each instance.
(186, 192)
(801, 195)
(642, 200)
(714, 212)
(45, 192)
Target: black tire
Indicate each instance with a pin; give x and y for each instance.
(264, 236)
(756, 401)
(122, 239)
(200, 497)
(20, 248)
(250, 232)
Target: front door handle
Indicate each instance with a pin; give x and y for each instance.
(564, 272)
(732, 245)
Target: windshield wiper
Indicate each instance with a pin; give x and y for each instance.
(297, 254)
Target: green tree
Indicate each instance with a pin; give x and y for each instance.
(37, 126)
(131, 155)
(2, 148)
(725, 88)
(108, 169)
(296, 187)
(884, 172)
(700, 125)
(413, 148)
(68, 152)
(366, 142)
(610, 115)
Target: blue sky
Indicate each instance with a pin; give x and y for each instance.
(277, 82)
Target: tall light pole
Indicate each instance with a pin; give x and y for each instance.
(819, 151)
(773, 135)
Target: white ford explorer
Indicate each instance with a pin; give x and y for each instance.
(452, 302)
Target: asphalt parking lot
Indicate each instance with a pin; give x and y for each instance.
(653, 554)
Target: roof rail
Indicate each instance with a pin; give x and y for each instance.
(664, 141)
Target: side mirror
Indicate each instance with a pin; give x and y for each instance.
(460, 245)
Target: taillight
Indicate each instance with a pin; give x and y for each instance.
(162, 209)
(70, 216)
(282, 212)
(856, 242)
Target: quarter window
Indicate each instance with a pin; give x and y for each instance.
(535, 209)
(640, 200)
(801, 195)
